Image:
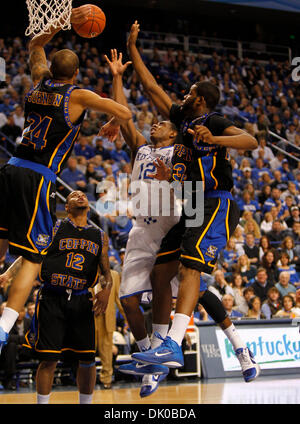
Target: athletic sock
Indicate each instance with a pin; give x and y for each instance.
(179, 326)
(8, 319)
(234, 338)
(43, 399)
(144, 344)
(85, 399)
(162, 329)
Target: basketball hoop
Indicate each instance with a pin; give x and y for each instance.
(44, 14)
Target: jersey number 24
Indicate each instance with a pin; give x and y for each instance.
(36, 132)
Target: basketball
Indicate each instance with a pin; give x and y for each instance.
(94, 25)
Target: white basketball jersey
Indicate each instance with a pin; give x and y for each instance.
(156, 198)
(146, 155)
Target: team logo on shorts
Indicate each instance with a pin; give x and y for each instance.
(211, 251)
(43, 240)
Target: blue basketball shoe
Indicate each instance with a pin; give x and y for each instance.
(137, 368)
(250, 368)
(150, 384)
(169, 353)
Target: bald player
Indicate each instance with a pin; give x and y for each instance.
(54, 110)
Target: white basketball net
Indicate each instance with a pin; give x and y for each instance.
(44, 14)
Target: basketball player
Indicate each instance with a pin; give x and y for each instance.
(54, 110)
(64, 321)
(145, 237)
(206, 136)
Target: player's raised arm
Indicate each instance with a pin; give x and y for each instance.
(37, 57)
(161, 100)
(133, 138)
(102, 297)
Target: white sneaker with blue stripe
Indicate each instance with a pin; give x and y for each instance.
(137, 368)
(250, 368)
(150, 384)
(169, 353)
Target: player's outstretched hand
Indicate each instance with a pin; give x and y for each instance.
(163, 172)
(202, 133)
(134, 32)
(100, 301)
(110, 130)
(115, 64)
(80, 14)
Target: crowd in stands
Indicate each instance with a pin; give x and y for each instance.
(258, 273)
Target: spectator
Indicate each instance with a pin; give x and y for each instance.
(82, 148)
(10, 129)
(265, 246)
(220, 285)
(295, 217)
(288, 308)
(146, 114)
(276, 234)
(200, 314)
(72, 176)
(120, 231)
(143, 128)
(277, 182)
(251, 250)
(30, 310)
(229, 256)
(247, 204)
(100, 150)
(119, 154)
(284, 265)
(296, 233)
(264, 194)
(267, 223)
(261, 284)
(275, 200)
(284, 286)
(105, 325)
(7, 107)
(118, 267)
(268, 262)
(262, 151)
(286, 173)
(238, 237)
(245, 269)
(259, 170)
(238, 287)
(229, 110)
(228, 302)
(288, 246)
(254, 311)
(92, 177)
(251, 227)
(86, 129)
(18, 116)
(272, 304)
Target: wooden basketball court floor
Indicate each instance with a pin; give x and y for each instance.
(265, 390)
